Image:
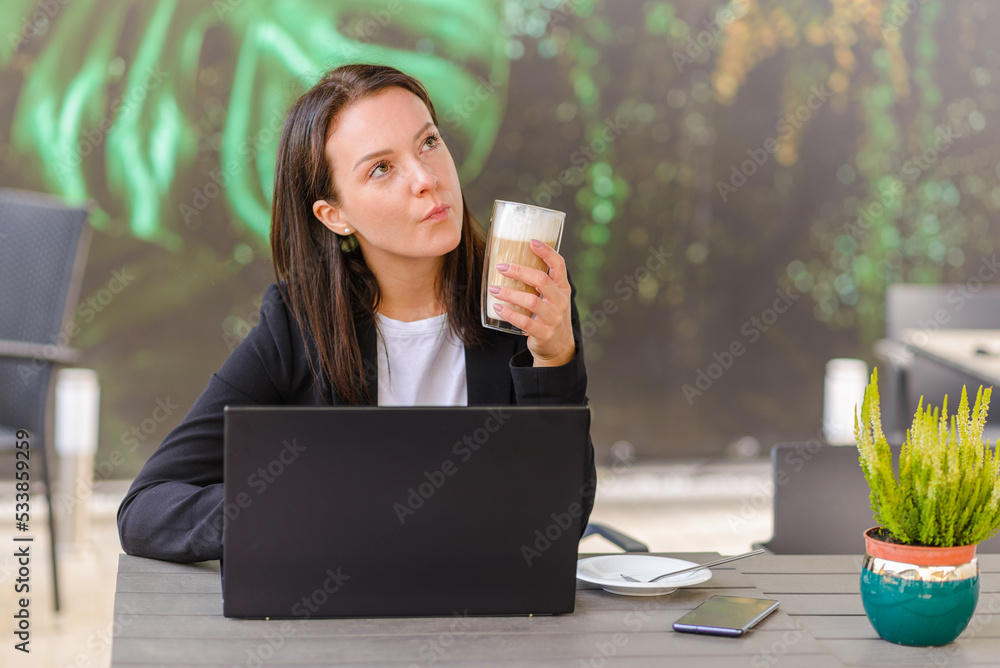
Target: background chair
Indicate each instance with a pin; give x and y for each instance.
(909, 377)
(616, 537)
(43, 249)
(821, 501)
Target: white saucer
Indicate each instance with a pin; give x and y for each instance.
(605, 571)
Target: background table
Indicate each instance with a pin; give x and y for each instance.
(171, 615)
(956, 350)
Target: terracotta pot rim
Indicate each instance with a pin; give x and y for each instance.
(918, 555)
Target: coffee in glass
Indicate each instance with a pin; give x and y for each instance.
(512, 227)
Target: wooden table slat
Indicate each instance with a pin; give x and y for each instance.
(131, 564)
(800, 563)
(470, 647)
(823, 627)
(636, 621)
(969, 652)
(816, 604)
(783, 661)
(168, 604)
(682, 599)
(169, 583)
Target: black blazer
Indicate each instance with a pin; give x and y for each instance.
(173, 509)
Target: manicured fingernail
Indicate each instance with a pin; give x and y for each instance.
(503, 267)
(497, 308)
(495, 289)
(536, 243)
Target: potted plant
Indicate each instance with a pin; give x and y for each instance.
(920, 576)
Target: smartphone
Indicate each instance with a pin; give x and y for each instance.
(726, 615)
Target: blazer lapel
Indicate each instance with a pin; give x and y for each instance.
(487, 371)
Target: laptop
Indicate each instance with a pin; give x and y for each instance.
(402, 511)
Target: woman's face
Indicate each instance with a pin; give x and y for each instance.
(391, 170)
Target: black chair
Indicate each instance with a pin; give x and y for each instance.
(907, 377)
(821, 500)
(616, 537)
(43, 249)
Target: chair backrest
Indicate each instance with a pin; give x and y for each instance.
(821, 500)
(43, 246)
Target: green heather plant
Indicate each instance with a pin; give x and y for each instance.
(947, 489)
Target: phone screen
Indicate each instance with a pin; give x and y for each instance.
(726, 615)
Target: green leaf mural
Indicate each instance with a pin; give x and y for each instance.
(113, 102)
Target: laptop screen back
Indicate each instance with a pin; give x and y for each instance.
(356, 512)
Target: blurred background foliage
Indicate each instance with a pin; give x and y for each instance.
(716, 160)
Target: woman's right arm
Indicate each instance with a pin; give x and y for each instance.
(173, 510)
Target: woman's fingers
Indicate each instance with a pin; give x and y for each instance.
(550, 284)
(523, 322)
(542, 281)
(550, 334)
(527, 301)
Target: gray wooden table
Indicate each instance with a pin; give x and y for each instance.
(171, 615)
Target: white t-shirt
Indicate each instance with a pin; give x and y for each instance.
(420, 363)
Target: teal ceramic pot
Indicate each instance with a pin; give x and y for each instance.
(918, 595)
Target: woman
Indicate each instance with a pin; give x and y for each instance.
(379, 267)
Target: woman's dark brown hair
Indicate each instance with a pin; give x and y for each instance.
(328, 286)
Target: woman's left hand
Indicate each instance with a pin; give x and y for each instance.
(550, 333)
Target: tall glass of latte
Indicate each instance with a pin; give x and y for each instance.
(512, 227)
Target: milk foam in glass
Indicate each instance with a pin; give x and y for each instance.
(512, 227)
